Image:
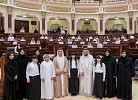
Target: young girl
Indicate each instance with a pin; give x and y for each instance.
(99, 77)
(73, 75)
(17, 48)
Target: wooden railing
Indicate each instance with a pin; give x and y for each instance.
(2, 62)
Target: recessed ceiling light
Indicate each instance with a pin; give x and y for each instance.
(24, 16)
(87, 19)
(116, 18)
(56, 18)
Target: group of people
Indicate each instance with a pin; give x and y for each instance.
(43, 78)
(61, 30)
(22, 30)
(114, 31)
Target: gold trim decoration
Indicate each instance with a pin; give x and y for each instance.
(86, 10)
(2, 1)
(56, 9)
(135, 6)
(117, 9)
(27, 5)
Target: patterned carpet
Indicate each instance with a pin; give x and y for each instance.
(135, 95)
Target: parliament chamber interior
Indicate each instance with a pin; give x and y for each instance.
(71, 25)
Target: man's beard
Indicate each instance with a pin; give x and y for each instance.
(85, 54)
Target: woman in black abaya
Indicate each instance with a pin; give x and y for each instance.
(39, 56)
(22, 61)
(125, 73)
(110, 81)
(10, 90)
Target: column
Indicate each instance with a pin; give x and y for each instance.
(44, 31)
(100, 29)
(130, 22)
(9, 11)
(10, 2)
(72, 31)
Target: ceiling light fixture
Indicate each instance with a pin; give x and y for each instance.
(116, 18)
(87, 19)
(24, 16)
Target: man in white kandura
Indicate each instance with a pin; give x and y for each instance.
(47, 73)
(86, 66)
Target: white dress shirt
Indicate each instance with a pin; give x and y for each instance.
(99, 69)
(32, 70)
(73, 65)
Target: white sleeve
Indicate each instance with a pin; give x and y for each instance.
(80, 68)
(69, 67)
(104, 70)
(41, 71)
(27, 72)
(93, 71)
(53, 70)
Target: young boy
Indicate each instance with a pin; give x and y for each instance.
(33, 79)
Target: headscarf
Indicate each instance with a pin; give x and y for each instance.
(123, 59)
(19, 54)
(107, 57)
(45, 56)
(62, 66)
(108, 50)
(11, 61)
(85, 49)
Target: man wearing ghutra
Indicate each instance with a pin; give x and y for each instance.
(61, 81)
(86, 66)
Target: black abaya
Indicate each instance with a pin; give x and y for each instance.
(110, 82)
(40, 58)
(22, 62)
(125, 71)
(10, 90)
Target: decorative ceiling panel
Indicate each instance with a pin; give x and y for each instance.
(28, 5)
(86, 10)
(56, 9)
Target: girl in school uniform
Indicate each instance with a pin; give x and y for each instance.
(73, 75)
(99, 77)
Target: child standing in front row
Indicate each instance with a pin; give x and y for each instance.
(73, 75)
(99, 77)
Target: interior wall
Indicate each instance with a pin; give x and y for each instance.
(52, 24)
(1, 20)
(31, 27)
(136, 25)
(93, 24)
(113, 24)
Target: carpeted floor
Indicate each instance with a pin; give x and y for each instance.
(135, 95)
